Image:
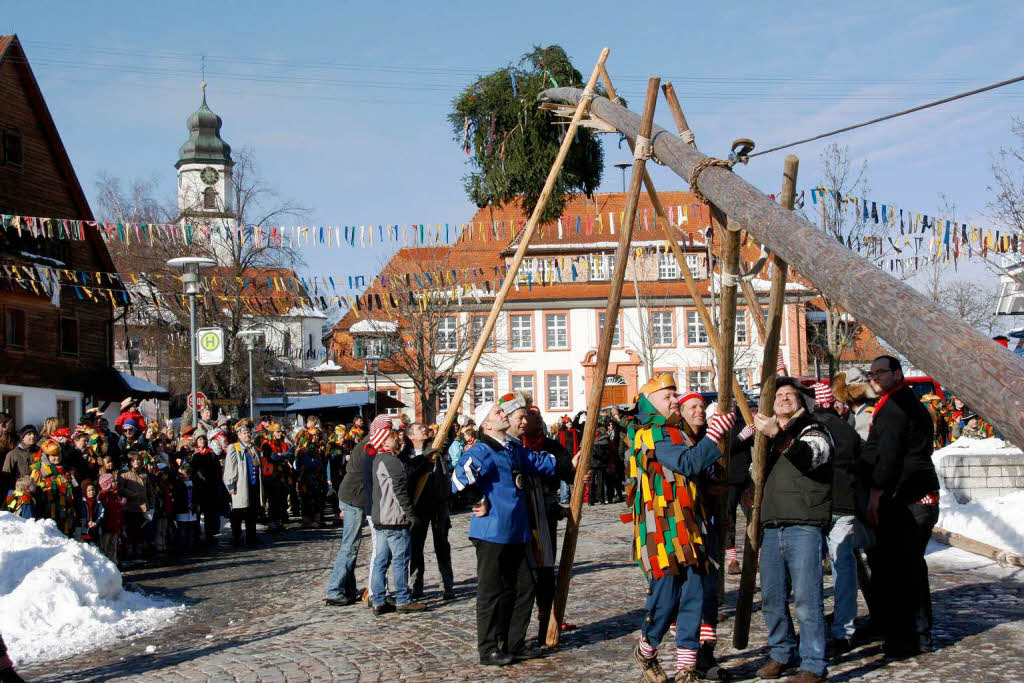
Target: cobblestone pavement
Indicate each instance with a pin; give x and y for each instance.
(258, 615)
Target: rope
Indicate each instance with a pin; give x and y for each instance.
(687, 137)
(704, 163)
(936, 103)
(643, 148)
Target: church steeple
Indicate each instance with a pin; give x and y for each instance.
(204, 144)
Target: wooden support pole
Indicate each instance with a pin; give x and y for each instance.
(685, 134)
(754, 306)
(931, 339)
(510, 276)
(600, 370)
(766, 406)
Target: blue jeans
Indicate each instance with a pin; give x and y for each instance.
(791, 559)
(679, 598)
(343, 576)
(392, 550)
(842, 540)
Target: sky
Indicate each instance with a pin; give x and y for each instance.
(344, 103)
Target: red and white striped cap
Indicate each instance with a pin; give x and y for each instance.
(380, 429)
(683, 398)
(823, 396)
(780, 366)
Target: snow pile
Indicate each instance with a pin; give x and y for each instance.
(996, 521)
(59, 597)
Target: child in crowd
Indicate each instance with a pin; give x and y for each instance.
(113, 519)
(90, 513)
(185, 509)
(20, 501)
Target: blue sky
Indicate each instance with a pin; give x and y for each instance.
(344, 103)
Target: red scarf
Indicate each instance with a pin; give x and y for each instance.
(885, 397)
(534, 443)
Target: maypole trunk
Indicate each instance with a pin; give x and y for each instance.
(933, 340)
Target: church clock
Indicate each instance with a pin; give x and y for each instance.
(209, 175)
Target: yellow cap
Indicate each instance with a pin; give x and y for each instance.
(663, 381)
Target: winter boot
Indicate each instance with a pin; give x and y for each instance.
(688, 674)
(707, 666)
(651, 671)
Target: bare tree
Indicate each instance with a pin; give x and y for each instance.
(233, 294)
(1007, 204)
(970, 302)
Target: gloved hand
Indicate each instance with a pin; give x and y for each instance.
(719, 425)
(747, 432)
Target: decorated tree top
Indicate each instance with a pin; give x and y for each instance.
(512, 143)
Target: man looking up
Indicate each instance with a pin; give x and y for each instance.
(670, 530)
(903, 507)
(431, 509)
(496, 469)
(796, 509)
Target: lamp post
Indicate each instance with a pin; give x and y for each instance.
(190, 267)
(622, 167)
(374, 361)
(250, 337)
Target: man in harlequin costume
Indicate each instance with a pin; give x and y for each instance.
(278, 477)
(670, 530)
(53, 487)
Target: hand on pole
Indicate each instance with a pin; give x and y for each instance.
(769, 426)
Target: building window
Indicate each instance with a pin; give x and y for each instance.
(393, 393)
(556, 330)
(209, 198)
(661, 328)
(476, 325)
(14, 328)
(616, 337)
(523, 383)
(286, 344)
(445, 393)
(696, 262)
(11, 148)
(483, 390)
(369, 347)
(64, 411)
(10, 406)
(695, 332)
(700, 380)
(558, 392)
(525, 271)
(521, 332)
(668, 269)
(741, 328)
(601, 266)
(743, 378)
(68, 336)
(448, 335)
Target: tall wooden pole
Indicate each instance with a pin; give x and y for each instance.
(601, 369)
(931, 339)
(524, 243)
(766, 406)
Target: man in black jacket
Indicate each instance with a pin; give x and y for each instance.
(795, 510)
(352, 498)
(903, 508)
(842, 536)
(431, 508)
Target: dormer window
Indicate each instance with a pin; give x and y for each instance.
(209, 198)
(369, 347)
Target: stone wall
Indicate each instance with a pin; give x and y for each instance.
(975, 476)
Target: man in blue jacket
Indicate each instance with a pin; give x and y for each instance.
(495, 469)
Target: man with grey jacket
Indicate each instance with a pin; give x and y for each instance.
(392, 522)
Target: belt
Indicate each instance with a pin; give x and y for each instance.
(930, 499)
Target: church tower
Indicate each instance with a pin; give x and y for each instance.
(205, 190)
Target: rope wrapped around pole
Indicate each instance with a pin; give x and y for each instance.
(930, 338)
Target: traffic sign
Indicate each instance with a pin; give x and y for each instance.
(200, 399)
(210, 346)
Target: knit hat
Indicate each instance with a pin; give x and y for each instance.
(683, 398)
(130, 423)
(481, 413)
(380, 429)
(823, 396)
(106, 480)
(27, 429)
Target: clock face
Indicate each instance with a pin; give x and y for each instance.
(209, 175)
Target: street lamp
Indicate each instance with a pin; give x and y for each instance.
(249, 337)
(622, 167)
(190, 267)
(374, 363)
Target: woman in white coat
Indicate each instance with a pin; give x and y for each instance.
(242, 479)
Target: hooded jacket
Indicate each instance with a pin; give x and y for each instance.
(491, 468)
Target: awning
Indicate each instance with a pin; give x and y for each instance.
(110, 384)
(352, 399)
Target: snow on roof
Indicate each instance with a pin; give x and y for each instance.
(374, 326)
(327, 366)
(304, 312)
(36, 258)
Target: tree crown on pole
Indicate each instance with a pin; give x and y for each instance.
(512, 143)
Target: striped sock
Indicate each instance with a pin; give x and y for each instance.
(730, 554)
(708, 633)
(646, 649)
(685, 657)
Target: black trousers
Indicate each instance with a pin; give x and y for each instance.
(899, 574)
(735, 499)
(439, 522)
(597, 492)
(277, 503)
(504, 596)
(248, 514)
(211, 519)
(546, 581)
